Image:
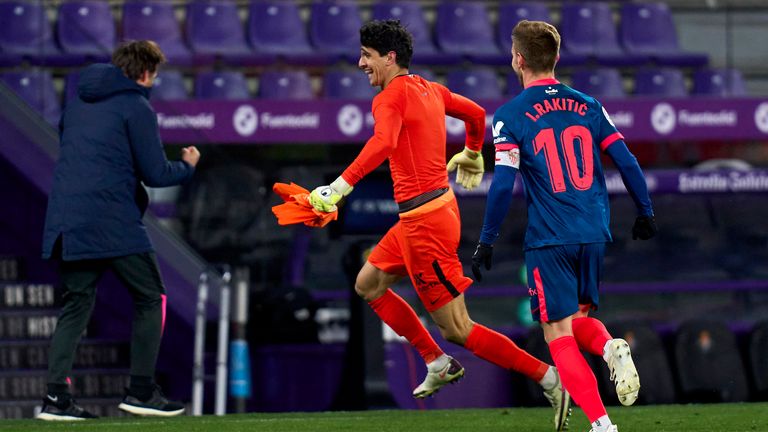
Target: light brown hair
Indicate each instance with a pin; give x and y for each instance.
(538, 42)
(135, 57)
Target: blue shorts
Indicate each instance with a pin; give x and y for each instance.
(560, 278)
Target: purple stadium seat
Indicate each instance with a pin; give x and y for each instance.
(512, 13)
(464, 28)
(26, 33)
(588, 29)
(718, 82)
(169, 85)
(288, 85)
(411, 15)
(275, 27)
(347, 84)
(599, 83)
(87, 27)
(229, 85)
(476, 83)
(660, 82)
(156, 20)
(334, 29)
(648, 29)
(214, 28)
(36, 88)
(514, 87)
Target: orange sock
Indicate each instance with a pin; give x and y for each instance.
(590, 334)
(399, 315)
(577, 377)
(500, 350)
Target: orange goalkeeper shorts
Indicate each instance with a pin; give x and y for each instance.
(423, 246)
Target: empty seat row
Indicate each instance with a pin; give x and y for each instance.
(665, 82)
(275, 30)
(37, 86)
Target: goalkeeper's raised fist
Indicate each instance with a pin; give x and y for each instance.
(325, 198)
(469, 168)
(644, 228)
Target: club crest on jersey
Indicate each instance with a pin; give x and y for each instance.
(510, 158)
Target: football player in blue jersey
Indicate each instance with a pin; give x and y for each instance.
(553, 135)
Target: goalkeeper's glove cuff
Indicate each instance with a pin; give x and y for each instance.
(341, 187)
(324, 198)
(472, 154)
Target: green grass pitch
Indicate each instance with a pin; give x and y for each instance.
(745, 417)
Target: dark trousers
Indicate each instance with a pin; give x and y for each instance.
(141, 274)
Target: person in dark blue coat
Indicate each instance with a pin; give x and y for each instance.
(110, 146)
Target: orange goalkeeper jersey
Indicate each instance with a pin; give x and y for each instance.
(409, 130)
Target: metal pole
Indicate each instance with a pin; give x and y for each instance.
(198, 374)
(240, 368)
(221, 358)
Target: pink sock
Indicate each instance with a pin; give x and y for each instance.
(590, 334)
(577, 377)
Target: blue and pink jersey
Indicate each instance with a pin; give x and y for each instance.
(554, 135)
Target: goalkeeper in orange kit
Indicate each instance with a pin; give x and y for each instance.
(409, 130)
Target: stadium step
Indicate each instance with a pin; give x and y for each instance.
(33, 354)
(28, 315)
(16, 295)
(86, 383)
(11, 268)
(21, 324)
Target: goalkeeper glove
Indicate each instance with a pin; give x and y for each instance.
(469, 168)
(324, 198)
(483, 256)
(644, 228)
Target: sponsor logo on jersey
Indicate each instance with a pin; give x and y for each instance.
(497, 128)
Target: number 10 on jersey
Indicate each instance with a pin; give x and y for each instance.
(570, 137)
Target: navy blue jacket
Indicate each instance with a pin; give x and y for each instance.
(110, 144)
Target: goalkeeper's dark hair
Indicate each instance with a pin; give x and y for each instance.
(539, 43)
(388, 35)
(135, 57)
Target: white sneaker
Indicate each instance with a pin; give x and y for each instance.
(611, 428)
(560, 400)
(450, 373)
(623, 372)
